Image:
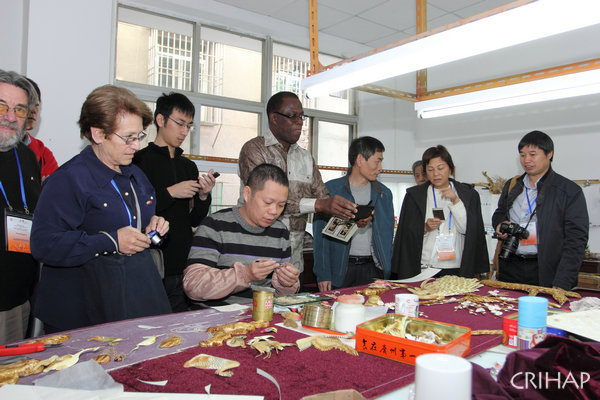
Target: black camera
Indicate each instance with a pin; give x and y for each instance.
(155, 238)
(515, 233)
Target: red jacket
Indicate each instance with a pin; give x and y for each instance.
(44, 156)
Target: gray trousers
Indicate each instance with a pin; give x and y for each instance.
(13, 323)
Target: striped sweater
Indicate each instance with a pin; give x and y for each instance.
(224, 238)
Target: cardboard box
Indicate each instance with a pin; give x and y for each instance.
(589, 281)
(370, 340)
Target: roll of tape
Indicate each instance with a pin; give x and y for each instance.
(316, 316)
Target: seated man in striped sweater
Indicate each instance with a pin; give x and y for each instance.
(242, 246)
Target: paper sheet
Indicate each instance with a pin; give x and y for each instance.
(426, 273)
(24, 392)
(582, 323)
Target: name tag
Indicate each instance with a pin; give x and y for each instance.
(17, 227)
(532, 238)
(444, 244)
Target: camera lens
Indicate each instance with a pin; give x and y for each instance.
(509, 246)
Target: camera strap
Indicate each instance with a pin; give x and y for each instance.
(531, 217)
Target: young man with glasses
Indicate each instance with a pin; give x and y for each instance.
(20, 182)
(182, 194)
(307, 192)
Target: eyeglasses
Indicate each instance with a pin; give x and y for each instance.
(132, 138)
(187, 127)
(301, 117)
(20, 111)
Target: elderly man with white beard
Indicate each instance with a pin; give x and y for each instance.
(20, 183)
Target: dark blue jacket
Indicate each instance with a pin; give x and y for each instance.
(331, 255)
(77, 211)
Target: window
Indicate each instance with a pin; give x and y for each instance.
(224, 76)
(226, 192)
(333, 136)
(291, 65)
(154, 50)
(226, 137)
(170, 60)
(230, 65)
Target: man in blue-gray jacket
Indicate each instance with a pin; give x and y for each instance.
(367, 255)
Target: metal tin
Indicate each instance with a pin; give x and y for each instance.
(262, 305)
(370, 338)
(317, 316)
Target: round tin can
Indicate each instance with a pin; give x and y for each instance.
(262, 304)
(316, 316)
(407, 304)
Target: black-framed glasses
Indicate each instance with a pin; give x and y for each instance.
(187, 127)
(20, 111)
(301, 117)
(133, 138)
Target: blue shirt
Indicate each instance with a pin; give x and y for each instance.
(78, 203)
(521, 210)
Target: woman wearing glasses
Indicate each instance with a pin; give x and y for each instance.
(92, 223)
(440, 224)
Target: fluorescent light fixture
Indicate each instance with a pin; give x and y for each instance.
(560, 87)
(519, 25)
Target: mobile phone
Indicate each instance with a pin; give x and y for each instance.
(216, 174)
(363, 212)
(438, 213)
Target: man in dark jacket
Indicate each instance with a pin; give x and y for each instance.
(20, 182)
(552, 209)
(182, 195)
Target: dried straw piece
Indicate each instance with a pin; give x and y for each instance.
(448, 285)
(560, 295)
(487, 332)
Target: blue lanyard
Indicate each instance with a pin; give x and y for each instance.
(528, 203)
(435, 203)
(112, 181)
(22, 186)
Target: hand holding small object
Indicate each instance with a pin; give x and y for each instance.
(206, 183)
(260, 269)
(184, 189)
(131, 240)
(432, 224)
(336, 205)
(287, 274)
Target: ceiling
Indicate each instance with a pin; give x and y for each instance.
(372, 23)
(351, 27)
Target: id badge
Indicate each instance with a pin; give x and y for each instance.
(17, 228)
(532, 239)
(444, 244)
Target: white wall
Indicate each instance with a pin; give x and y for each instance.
(487, 140)
(68, 55)
(12, 27)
